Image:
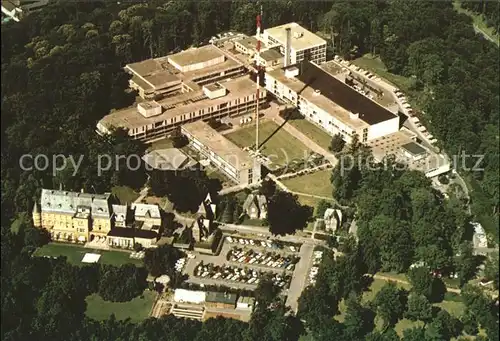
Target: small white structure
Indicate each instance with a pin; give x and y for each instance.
(189, 296)
(245, 303)
(332, 219)
(163, 279)
(91, 258)
(479, 239)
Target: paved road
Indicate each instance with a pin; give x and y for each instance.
(300, 276)
(485, 35)
(143, 194)
(397, 280)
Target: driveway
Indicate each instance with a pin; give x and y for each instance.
(299, 277)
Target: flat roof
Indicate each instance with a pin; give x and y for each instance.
(180, 104)
(414, 148)
(270, 54)
(307, 40)
(321, 102)
(125, 232)
(248, 42)
(219, 144)
(342, 94)
(157, 72)
(221, 297)
(196, 55)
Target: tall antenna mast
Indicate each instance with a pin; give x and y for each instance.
(257, 61)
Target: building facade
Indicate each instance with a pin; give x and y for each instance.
(304, 45)
(82, 217)
(224, 154)
(329, 103)
(230, 98)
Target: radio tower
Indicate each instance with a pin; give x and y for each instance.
(257, 60)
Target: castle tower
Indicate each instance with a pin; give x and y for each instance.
(37, 215)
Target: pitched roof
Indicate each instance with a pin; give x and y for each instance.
(68, 202)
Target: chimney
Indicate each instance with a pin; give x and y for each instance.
(287, 46)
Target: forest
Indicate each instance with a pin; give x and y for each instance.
(62, 72)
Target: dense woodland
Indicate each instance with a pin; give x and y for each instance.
(62, 72)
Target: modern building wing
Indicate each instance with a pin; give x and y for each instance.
(224, 154)
(329, 103)
(182, 72)
(304, 45)
(232, 97)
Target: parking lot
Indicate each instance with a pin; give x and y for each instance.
(229, 274)
(274, 257)
(273, 260)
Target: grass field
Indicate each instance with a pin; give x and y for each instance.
(281, 147)
(315, 133)
(161, 144)
(74, 254)
(137, 309)
(309, 201)
(125, 194)
(375, 65)
(317, 183)
(478, 21)
(453, 307)
(16, 223)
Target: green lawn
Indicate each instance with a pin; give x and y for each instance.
(453, 307)
(16, 223)
(137, 309)
(75, 253)
(312, 131)
(281, 147)
(309, 201)
(161, 144)
(478, 21)
(125, 194)
(317, 183)
(375, 65)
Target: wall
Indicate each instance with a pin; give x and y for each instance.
(383, 128)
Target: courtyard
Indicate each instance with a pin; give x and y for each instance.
(275, 142)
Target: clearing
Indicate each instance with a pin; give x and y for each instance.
(276, 143)
(316, 134)
(74, 254)
(317, 183)
(125, 194)
(136, 310)
(454, 307)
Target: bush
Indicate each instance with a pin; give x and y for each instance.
(443, 179)
(122, 284)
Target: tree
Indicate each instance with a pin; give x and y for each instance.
(161, 260)
(179, 140)
(423, 283)
(466, 263)
(286, 215)
(443, 327)
(267, 188)
(414, 334)
(337, 143)
(359, 321)
(390, 303)
(266, 292)
(491, 270)
(321, 207)
(123, 283)
(419, 308)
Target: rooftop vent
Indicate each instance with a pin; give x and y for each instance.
(353, 116)
(298, 35)
(317, 92)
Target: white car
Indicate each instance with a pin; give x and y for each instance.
(252, 242)
(229, 239)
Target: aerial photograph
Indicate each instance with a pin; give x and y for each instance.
(250, 170)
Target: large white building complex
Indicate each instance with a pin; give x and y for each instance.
(182, 72)
(224, 154)
(330, 103)
(303, 44)
(156, 119)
